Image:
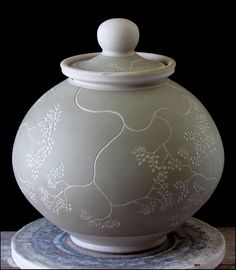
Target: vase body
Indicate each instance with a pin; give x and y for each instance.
(118, 170)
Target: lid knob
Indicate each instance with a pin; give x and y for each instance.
(118, 37)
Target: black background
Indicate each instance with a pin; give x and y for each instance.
(36, 37)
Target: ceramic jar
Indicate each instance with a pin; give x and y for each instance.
(118, 155)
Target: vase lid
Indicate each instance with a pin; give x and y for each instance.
(118, 66)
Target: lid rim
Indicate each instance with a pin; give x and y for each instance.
(121, 77)
(118, 87)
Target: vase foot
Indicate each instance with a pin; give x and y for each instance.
(121, 245)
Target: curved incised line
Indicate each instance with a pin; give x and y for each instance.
(154, 116)
(124, 125)
(28, 131)
(94, 176)
(101, 150)
(168, 154)
(202, 175)
(163, 144)
(120, 115)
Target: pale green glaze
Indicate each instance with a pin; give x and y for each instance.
(122, 167)
(101, 157)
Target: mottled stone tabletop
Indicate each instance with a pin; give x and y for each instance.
(149, 259)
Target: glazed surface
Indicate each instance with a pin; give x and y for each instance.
(111, 163)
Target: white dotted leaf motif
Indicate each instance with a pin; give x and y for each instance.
(106, 223)
(36, 159)
(55, 176)
(202, 139)
(54, 203)
(148, 208)
(192, 200)
(142, 156)
(160, 162)
(159, 196)
(196, 198)
(113, 67)
(202, 122)
(182, 188)
(28, 188)
(135, 65)
(182, 152)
